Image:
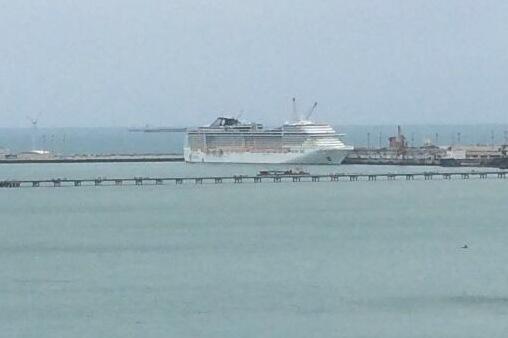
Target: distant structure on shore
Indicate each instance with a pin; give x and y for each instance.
(398, 152)
(398, 142)
(35, 131)
(148, 129)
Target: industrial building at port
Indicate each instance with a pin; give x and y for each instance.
(398, 152)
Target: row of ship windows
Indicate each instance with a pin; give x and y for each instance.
(232, 138)
(257, 144)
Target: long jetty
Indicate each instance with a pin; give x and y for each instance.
(237, 179)
(112, 158)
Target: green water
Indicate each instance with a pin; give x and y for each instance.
(347, 259)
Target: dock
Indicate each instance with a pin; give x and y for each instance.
(92, 158)
(239, 179)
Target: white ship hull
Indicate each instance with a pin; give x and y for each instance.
(315, 156)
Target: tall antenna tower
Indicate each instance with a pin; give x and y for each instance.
(34, 122)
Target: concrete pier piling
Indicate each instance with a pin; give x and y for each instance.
(10, 184)
(138, 181)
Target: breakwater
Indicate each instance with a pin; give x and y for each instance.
(238, 179)
(91, 158)
(420, 157)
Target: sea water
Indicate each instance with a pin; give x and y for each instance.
(322, 259)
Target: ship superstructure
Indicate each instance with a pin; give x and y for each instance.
(227, 140)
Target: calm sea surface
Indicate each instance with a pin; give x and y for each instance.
(347, 259)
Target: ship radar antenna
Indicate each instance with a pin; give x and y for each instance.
(311, 110)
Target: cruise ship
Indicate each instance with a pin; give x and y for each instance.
(227, 140)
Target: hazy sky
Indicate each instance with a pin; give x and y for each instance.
(163, 62)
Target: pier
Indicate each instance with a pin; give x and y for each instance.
(90, 158)
(239, 179)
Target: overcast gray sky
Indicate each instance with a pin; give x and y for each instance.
(162, 62)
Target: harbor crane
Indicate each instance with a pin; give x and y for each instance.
(311, 110)
(297, 117)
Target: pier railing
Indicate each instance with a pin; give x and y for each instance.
(238, 179)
